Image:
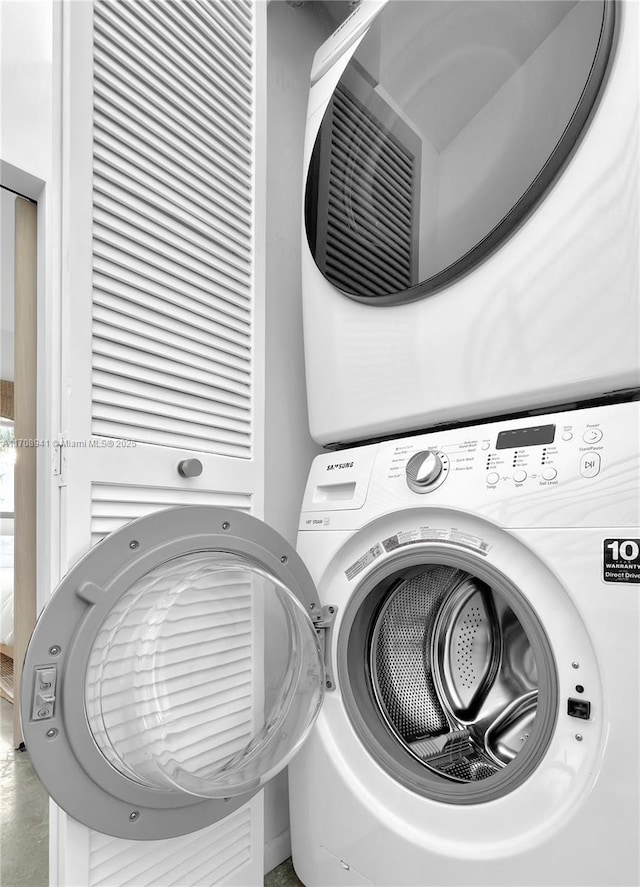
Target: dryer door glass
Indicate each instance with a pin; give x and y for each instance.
(447, 127)
(174, 671)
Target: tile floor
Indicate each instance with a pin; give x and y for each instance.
(24, 820)
(283, 876)
(24, 814)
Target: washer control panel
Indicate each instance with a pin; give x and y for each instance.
(543, 455)
(505, 456)
(576, 468)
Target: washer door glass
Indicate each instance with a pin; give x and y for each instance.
(447, 127)
(177, 690)
(174, 671)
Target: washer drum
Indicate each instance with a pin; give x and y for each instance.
(453, 673)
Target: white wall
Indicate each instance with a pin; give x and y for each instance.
(26, 93)
(293, 35)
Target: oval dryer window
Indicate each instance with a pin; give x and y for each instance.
(447, 127)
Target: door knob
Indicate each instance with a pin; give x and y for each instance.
(190, 468)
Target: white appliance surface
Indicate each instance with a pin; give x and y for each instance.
(551, 508)
(549, 317)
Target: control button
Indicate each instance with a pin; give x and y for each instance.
(493, 477)
(579, 708)
(485, 444)
(519, 476)
(567, 435)
(590, 464)
(592, 435)
(549, 474)
(423, 470)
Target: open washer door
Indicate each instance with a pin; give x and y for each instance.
(175, 670)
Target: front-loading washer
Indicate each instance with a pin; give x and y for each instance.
(483, 729)
(449, 662)
(470, 230)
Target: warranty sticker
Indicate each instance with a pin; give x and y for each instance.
(621, 560)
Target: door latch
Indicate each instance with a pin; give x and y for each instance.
(44, 692)
(323, 623)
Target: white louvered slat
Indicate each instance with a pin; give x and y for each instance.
(163, 305)
(179, 292)
(227, 417)
(160, 429)
(171, 321)
(136, 189)
(173, 225)
(156, 423)
(190, 409)
(140, 247)
(161, 225)
(113, 505)
(209, 857)
(146, 351)
(170, 344)
(116, 370)
(116, 85)
(157, 393)
(153, 155)
(144, 45)
(198, 26)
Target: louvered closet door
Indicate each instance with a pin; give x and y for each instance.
(172, 225)
(162, 332)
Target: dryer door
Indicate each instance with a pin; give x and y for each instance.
(446, 128)
(174, 671)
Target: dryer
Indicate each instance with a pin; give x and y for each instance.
(470, 230)
(449, 661)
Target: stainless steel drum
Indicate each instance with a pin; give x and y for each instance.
(453, 673)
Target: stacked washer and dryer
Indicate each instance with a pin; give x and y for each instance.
(471, 301)
(450, 659)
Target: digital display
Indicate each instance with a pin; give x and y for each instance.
(526, 437)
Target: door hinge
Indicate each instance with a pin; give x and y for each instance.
(323, 623)
(59, 461)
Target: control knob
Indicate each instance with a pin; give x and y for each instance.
(423, 470)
